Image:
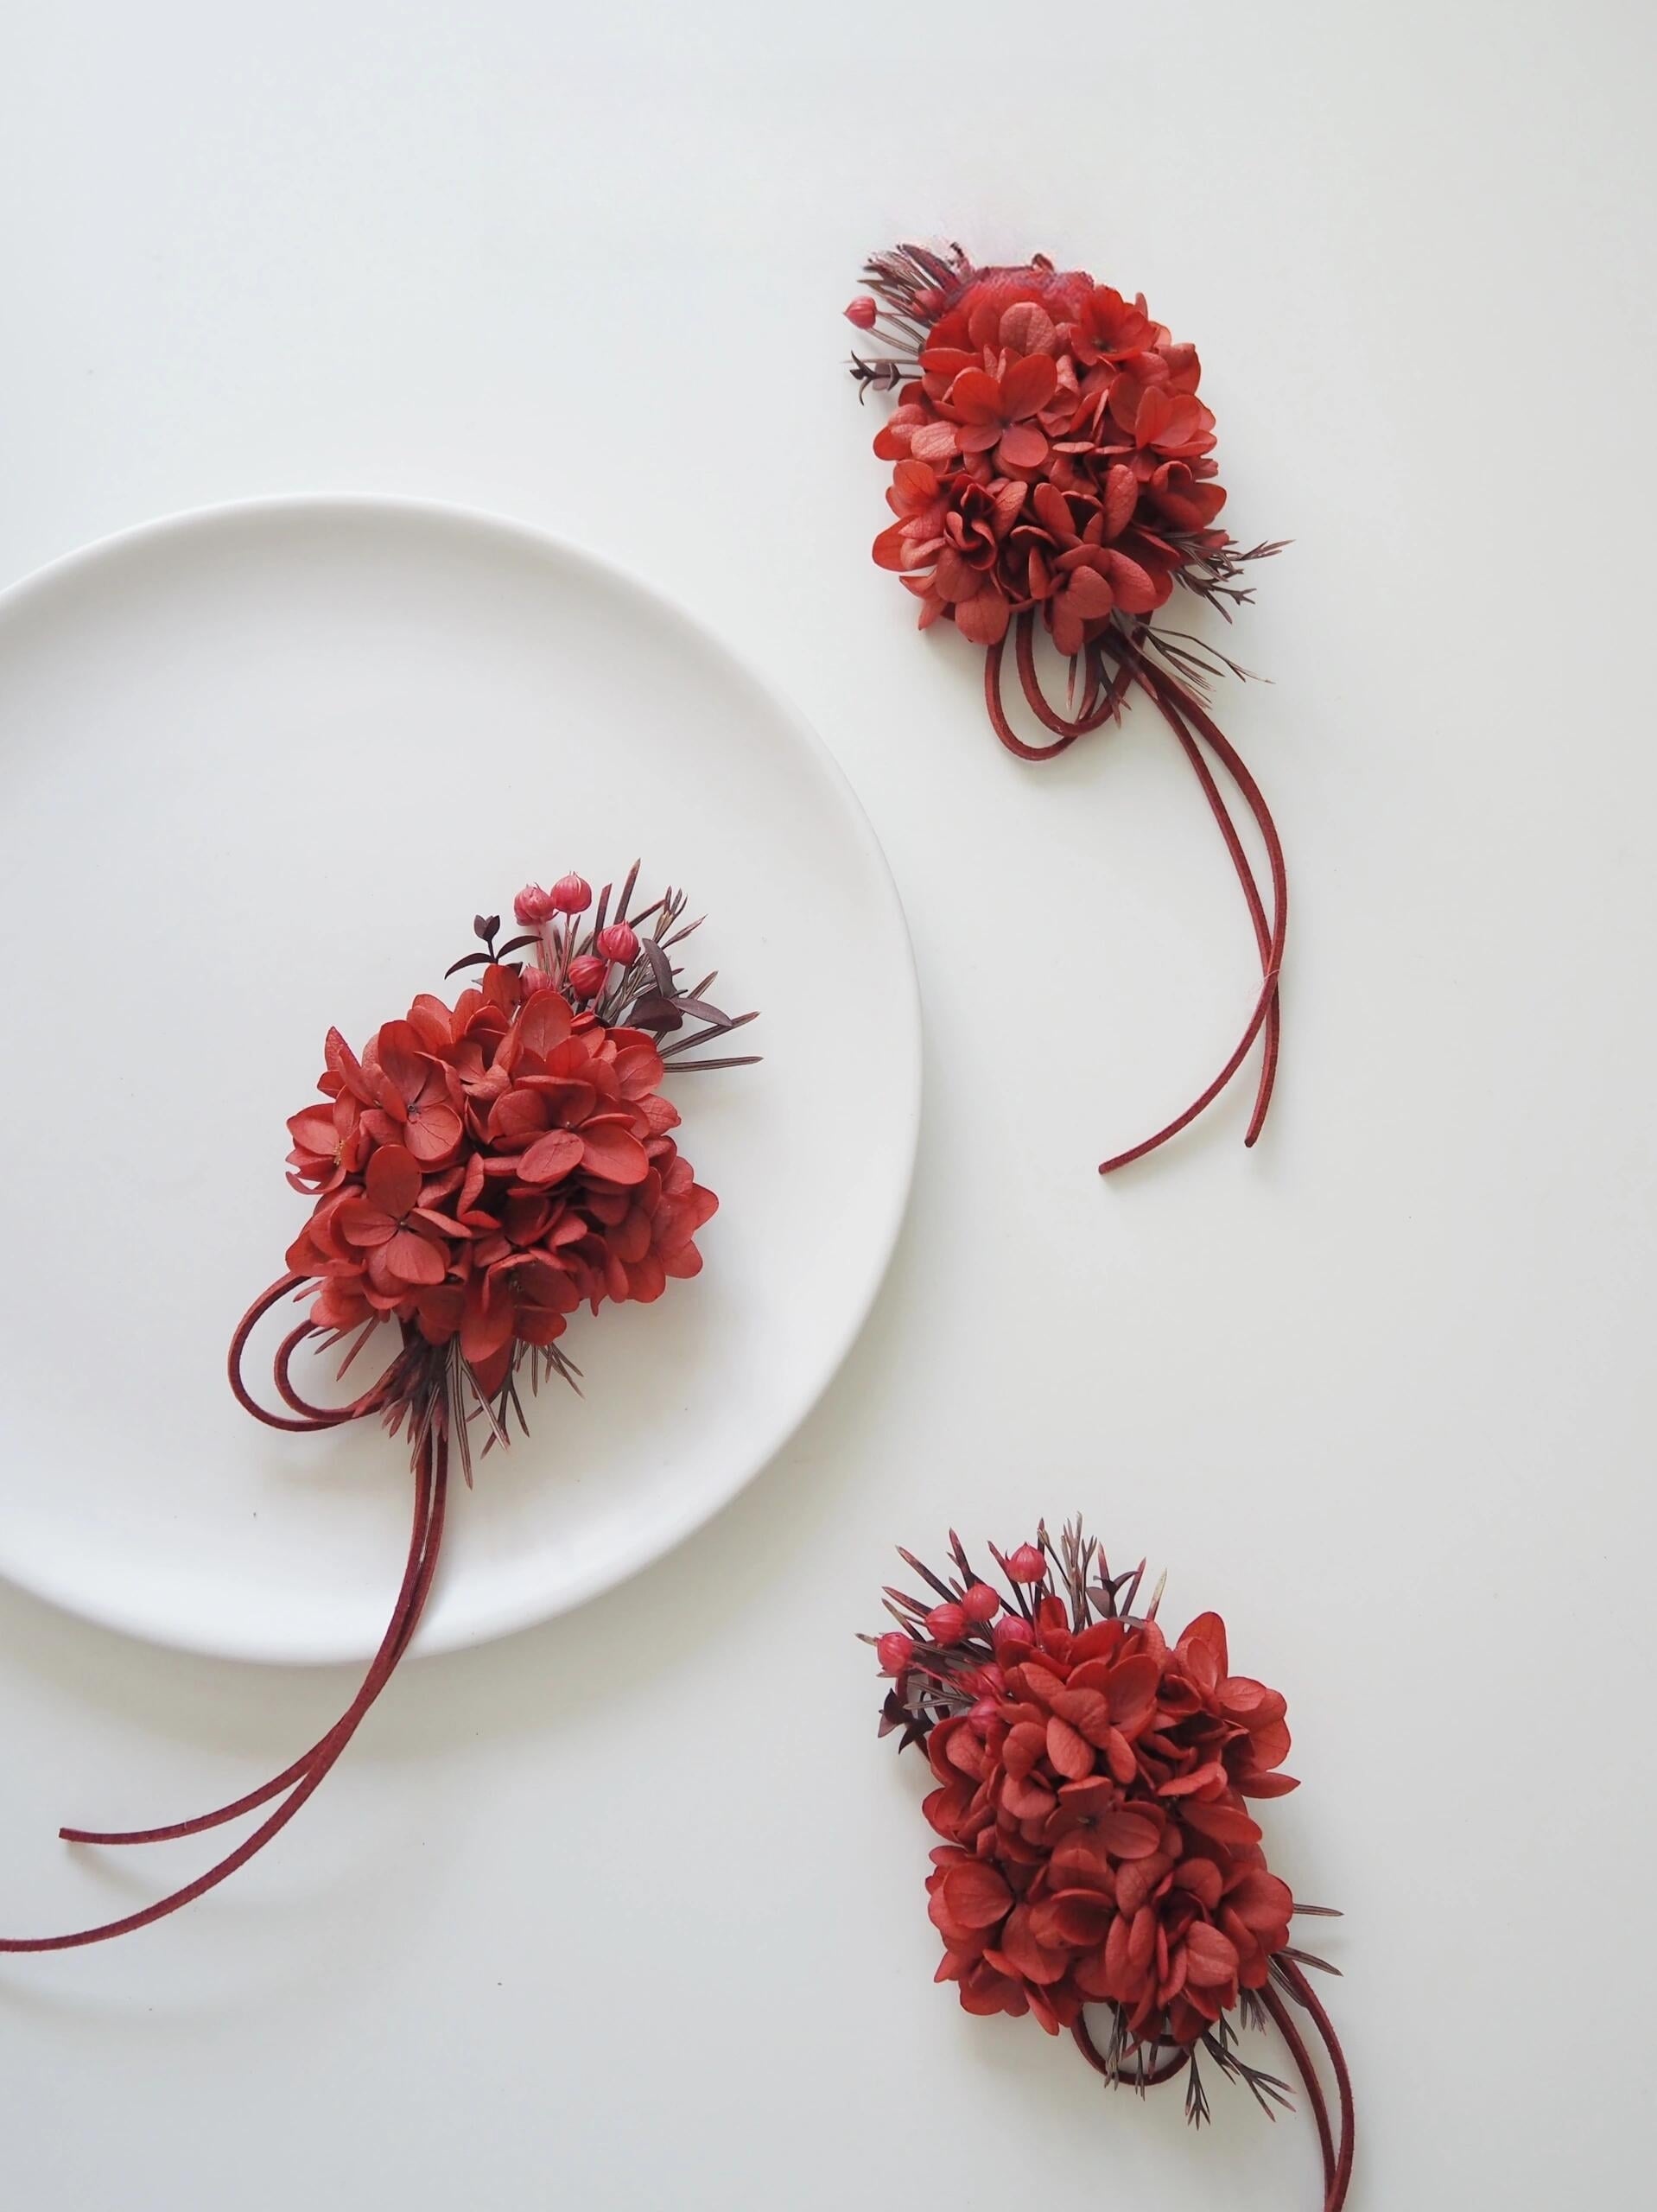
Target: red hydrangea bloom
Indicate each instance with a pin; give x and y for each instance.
(1023, 381)
(947, 544)
(1091, 1779)
(485, 1168)
(993, 411)
(1093, 1799)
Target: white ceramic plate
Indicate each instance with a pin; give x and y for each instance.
(258, 769)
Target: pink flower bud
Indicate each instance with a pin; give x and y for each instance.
(862, 311)
(1014, 1638)
(619, 943)
(572, 894)
(1027, 1564)
(894, 1651)
(535, 979)
(533, 906)
(946, 1624)
(586, 976)
(981, 1603)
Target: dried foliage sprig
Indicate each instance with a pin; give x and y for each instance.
(1097, 1850)
(481, 1171)
(1053, 466)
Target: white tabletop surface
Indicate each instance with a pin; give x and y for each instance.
(626, 1911)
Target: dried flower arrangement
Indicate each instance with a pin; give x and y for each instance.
(1052, 464)
(1096, 1849)
(481, 1171)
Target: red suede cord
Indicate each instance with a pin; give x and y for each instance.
(1267, 939)
(1195, 729)
(1295, 1980)
(1294, 2043)
(307, 1773)
(1185, 715)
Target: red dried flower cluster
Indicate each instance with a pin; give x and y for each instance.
(482, 1169)
(1097, 1849)
(1091, 1780)
(487, 1167)
(1053, 470)
(1052, 454)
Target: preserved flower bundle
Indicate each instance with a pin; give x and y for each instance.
(1053, 470)
(481, 1171)
(1096, 1847)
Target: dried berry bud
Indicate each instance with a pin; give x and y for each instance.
(1014, 1638)
(532, 907)
(586, 976)
(981, 1603)
(619, 943)
(535, 979)
(894, 1651)
(1027, 1564)
(946, 1624)
(572, 894)
(862, 311)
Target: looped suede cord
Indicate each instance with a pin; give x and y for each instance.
(306, 1772)
(1191, 722)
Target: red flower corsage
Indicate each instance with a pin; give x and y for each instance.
(480, 1171)
(1097, 1851)
(1052, 465)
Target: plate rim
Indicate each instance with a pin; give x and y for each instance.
(531, 537)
